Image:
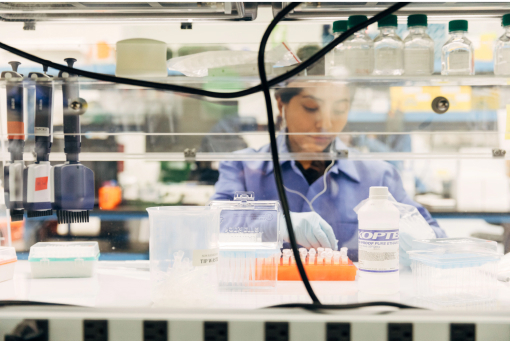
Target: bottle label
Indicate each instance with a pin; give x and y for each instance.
(458, 60)
(388, 59)
(378, 250)
(503, 62)
(205, 257)
(41, 131)
(359, 61)
(417, 62)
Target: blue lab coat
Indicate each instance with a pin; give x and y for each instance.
(348, 184)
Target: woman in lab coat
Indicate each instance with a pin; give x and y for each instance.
(330, 220)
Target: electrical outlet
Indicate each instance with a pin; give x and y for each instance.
(462, 332)
(277, 331)
(155, 330)
(43, 327)
(400, 332)
(338, 331)
(215, 331)
(95, 330)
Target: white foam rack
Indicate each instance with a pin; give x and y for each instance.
(137, 324)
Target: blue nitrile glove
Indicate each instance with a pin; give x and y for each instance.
(310, 230)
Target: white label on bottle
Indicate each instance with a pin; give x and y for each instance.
(41, 131)
(458, 60)
(417, 61)
(359, 61)
(388, 59)
(378, 250)
(503, 62)
(205, 257)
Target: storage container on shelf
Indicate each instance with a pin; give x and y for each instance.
(183, 250)
(63, 259)
(449, 271)
(8, 261)
(250, 242)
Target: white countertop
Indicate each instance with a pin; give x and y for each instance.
(122, 287)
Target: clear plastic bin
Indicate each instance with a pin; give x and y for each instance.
(183, 255)
(63, 259)
(8, 261)
(249, 242)
(455, 271)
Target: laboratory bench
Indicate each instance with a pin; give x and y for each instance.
(127, 284)
(115, 304)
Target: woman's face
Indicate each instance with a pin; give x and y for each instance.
(318, 108)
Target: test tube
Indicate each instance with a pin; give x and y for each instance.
(320, 258)
(328, 249)
(286, 256)
(319, 250)
(311, 256)
(336, 257)
(328, 256)
(292, 259)
(343, 255)
(302, 253)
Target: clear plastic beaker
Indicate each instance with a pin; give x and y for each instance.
(183, 255)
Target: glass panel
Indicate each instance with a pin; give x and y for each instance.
(150, 148)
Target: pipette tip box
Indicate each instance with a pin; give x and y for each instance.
(249, 242)
(455, 270)
(63, 259)
(8, 261)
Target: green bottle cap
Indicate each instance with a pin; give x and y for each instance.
(417, 20)
(389, 21)
(506, 20)
(340, 26)
(458, 25)
(356, 19)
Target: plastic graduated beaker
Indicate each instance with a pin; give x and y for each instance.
(183, 255)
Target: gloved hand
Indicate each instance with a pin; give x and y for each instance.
(412, 227)
(310, 230)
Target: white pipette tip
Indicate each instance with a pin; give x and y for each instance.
(336, 257)
(328, 257)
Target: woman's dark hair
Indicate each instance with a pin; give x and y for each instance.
(286, 94)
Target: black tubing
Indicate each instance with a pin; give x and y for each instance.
(188, 90)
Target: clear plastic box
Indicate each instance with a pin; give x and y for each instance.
(8, 261)
(249, 242)
(452, 271)
(63, 259)
(183, 255)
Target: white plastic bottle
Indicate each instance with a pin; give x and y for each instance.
(378, 244)
(388, 48)
(457, 54)
(359, 53)
(335, 60)
(418, 47)
(502, 50)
